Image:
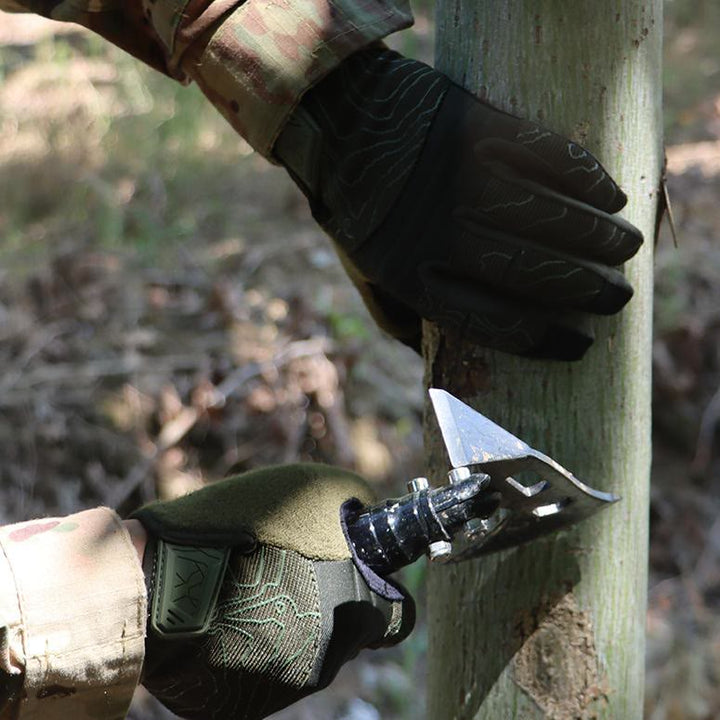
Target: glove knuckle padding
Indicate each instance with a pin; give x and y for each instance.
(293, 507)
(292, 606)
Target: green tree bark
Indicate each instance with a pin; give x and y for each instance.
(555, 629)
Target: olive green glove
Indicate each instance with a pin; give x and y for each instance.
(442, 207)
(254, 598)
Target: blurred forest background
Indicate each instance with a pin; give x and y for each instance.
(169, 314)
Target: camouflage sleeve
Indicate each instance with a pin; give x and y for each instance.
(72, 618)
(120, 21)
(255, 60)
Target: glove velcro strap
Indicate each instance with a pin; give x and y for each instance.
(298, 148)
(187, 584)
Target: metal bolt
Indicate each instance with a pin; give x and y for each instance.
(458, 475)
(417, 484)
(440, 550)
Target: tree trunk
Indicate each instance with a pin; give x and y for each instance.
(555, 629)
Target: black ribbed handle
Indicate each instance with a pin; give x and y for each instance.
(397, 532)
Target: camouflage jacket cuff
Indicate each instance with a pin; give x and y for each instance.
(257, 61)
(72, 617)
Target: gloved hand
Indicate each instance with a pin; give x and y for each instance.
(442, 207)
(254, 598)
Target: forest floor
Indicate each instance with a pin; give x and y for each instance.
(170, 314)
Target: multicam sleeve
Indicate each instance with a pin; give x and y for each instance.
(255, 60)
(119, 21)
(72, 618)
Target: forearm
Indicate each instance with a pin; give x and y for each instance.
(253, 60)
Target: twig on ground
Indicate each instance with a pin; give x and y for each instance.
(177, 428)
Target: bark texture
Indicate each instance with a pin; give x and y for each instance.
(555, 629)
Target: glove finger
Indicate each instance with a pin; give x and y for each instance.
(504, 324)
(537, 213)
(529, 271)
(574, 168)
(540, 151)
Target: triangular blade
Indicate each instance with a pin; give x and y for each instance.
(554, 499)
(470, 438)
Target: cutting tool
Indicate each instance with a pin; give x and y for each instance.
(500, 493)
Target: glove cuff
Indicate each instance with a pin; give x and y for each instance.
(298, 149)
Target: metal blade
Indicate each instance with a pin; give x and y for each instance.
(470, 438)
(552, 500)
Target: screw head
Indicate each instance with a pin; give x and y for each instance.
(417, 484)
(457, 475)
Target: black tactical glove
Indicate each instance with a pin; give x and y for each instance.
(444, 208)
(255, 600)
